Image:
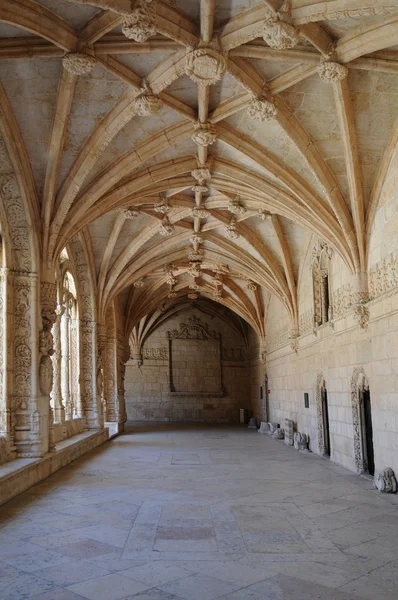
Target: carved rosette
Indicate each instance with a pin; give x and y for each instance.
(78, 63)
(261, 109)
(140, 24)
(235, 207)
(205, 134)
(201, 174)
(199, 212)
(166, 228)
(332, 72)
(205, 66)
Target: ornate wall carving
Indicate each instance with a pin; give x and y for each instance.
(383, 277)
(155, 353)
(233, 354)
(358, 382)
(279, 339)
(193, 329)
(320, 384)
(306, 322)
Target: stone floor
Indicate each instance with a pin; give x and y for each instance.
(197, 513)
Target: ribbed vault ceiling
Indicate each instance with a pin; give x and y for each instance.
(199, 160)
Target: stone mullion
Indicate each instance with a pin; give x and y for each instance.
(65, 364)
(58, 407)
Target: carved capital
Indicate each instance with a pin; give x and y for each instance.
(205, 66)
(78, 63)
(131, 213)
(361, 313)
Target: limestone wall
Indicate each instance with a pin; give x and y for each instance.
(197, 373)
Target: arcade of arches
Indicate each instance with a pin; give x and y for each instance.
(199, 213)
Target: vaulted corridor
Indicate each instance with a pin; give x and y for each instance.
(170, 512)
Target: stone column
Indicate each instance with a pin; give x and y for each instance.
(6, 400)
(48, 301)
(65, 363)
(123, 355)
(74, 369)
(90, 400)
(56, 394)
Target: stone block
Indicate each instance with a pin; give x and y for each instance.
(289, 432)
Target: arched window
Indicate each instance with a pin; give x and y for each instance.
(321, 256)
(70, 364)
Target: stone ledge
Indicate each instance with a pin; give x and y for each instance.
(20, 474)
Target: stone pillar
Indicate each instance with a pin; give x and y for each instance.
(6, 400)
(56, 394)
(30, 414)
(123, 355)
(88, 384)
(48, 301)
(65, 362)
(74, 368)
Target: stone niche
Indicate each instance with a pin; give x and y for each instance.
(195, 359)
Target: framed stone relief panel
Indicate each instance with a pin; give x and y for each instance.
(195, 366)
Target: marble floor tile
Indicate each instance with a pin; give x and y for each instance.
(175, 512)
(109, 587)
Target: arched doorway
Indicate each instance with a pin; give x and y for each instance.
(323, 416)
(362, 422)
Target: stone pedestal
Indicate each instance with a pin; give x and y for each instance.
(289, 432)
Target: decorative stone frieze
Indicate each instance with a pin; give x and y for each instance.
(232, 230)
(146, 103)
(140, 24)
(199, 212)
(342, 301)
(205, 134)
(166, 227)
(205, 66)
(369, 10)
(78, 63)
(306, 322)
(261, 109)
(235, 206)
(233, 354)
(279, 339)
(332, 72)
(278, 34)
(201, 174)
(383, 276)
(155, 353)
(386, 481)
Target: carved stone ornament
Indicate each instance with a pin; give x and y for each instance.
(201, 174)
(217, 296)
(261, 109)
(166, 227)
(332, 72)
(162, 207)
(220, 268)
(386, 481)
(193, 329)
(172, 295)
(278, 34)
(361, 313)
(205, 66)
(195, 255)
(199, 212)
(131, 213)
(235, 207)
(139, 25)
(200, 189)
(251, 286)
(195, 270)
(146, 103)
(233, 354)
(231, 230)
(278, 434)
(301, 442)
(196, 239)
(46, 375)
(155, 353)
(194, 286)
(78, 63)
(205, 134)
(193, 295)
(263, 214)
(139, 283)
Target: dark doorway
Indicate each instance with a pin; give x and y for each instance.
(368, 431)
(266, 398)
(325, 422)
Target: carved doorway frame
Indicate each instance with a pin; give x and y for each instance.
(320, 386)
(359, 384)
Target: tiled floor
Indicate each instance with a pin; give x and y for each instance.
(198, 513)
